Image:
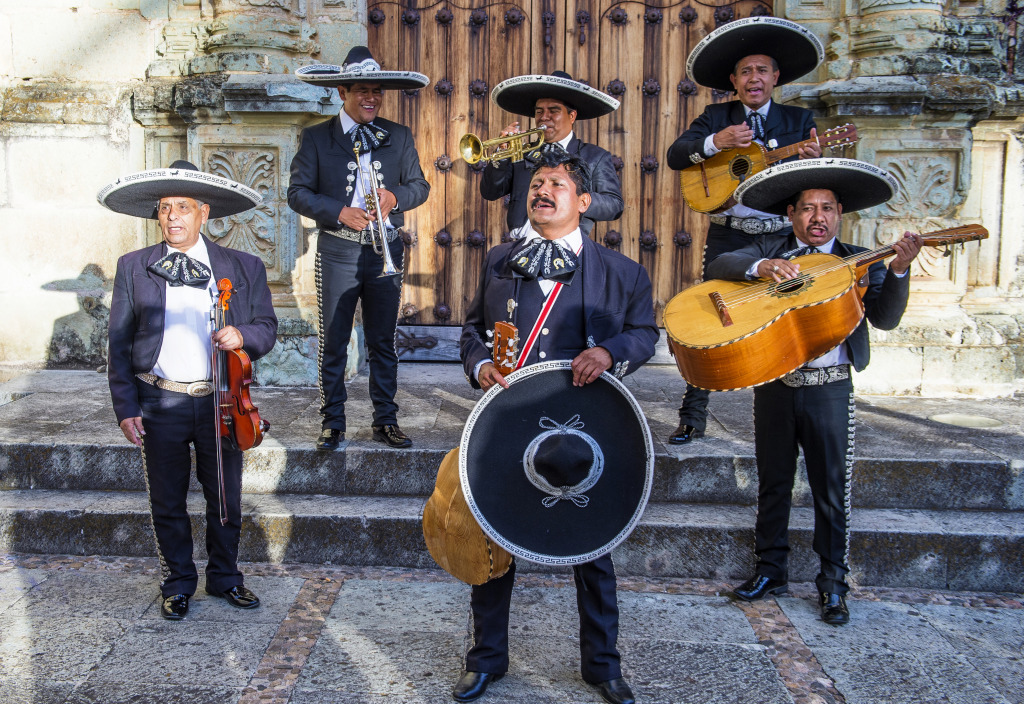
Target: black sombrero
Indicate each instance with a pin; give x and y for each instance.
(138, 194)
(795, 49)
(519, 95)
(359, 67)
(857, 184)
(555, 473)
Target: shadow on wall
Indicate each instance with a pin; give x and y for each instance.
(79, 340)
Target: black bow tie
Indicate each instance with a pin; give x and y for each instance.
(543, 259)
(181, 270)
(799, 252)
(367, 137)
(544, 149)
(756, 122)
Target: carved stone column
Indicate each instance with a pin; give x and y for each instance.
(917, 77)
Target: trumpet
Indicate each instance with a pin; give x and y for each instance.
(372, 180)
(516, 146)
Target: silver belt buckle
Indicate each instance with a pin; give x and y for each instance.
(794, 380)
(197, 389)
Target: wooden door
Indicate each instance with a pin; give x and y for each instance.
(633, 51)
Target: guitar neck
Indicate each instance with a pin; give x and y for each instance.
(939, 238)
(786, 152)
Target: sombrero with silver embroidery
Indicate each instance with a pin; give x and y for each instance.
(795, 49)
(519, 95)
(857, 184)
(359, 67)
(138, 194)
(555, 473)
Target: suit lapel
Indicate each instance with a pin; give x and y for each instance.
(737, 115)
(339, 138)
(593, 279)
(774, 120)
(159, 283)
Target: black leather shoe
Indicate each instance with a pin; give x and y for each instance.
(239, 596)
(833, 609)
(616, 691)
(174, 608)
(472, 685)
(684, 434)
(330, 439)
(758, 587)
(392, 435)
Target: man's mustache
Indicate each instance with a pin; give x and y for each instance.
(541, 199)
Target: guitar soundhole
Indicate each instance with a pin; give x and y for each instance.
(790, 286)
(739, 168)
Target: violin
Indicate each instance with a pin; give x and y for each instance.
(239, 419)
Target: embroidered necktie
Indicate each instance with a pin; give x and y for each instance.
(545, 149)
(756, 122)
(368, 137)
(181, 270)
(545, 259)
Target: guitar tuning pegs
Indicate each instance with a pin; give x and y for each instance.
(488, 344)
(490, 333)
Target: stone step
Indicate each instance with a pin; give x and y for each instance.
(960, 550)
(703, 473)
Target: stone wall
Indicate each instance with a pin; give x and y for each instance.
(93, 89)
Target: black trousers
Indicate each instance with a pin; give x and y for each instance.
(721, 239)
(599, 622)
(347, 273)
(174, 421)
(818, 419)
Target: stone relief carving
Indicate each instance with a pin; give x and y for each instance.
(251, 231)
(932, 261)
(927, 184)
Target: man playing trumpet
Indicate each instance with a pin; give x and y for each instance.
(555, 102)
(331, 183)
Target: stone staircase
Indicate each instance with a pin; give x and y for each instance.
(934, 505)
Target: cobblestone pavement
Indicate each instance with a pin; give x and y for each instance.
(76, 629)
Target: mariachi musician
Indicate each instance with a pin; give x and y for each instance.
(555, 102)
(812, 407)
(334, 186)
(573, 299)
(160, 366)
(751, 57)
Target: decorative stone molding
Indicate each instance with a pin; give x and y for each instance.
(254, 230)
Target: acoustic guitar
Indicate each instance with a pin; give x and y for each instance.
(733, 334)
(708, 186)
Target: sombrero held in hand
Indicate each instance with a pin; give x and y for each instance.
(555, 473)
(359, 67)
(519, 95)
(795, 49)
(138, 194)
(857, 184)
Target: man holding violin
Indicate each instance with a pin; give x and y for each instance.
(160, 366)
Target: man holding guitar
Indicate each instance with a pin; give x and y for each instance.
(812, 407)
(750, 56)
(160, 366)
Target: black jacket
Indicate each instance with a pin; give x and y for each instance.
(618, 310)
(136, 330)
(884, 301)
(319, 172)
(513, 179)
(786, 124)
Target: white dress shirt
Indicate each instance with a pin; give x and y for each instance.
(186, 347)
(359, 185)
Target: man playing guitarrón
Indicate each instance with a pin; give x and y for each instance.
(750, 56)
(812, 407)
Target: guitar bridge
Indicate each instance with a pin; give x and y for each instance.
(721, 308)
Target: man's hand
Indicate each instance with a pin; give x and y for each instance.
(387, 200)
(132, 429)
(777, 269)
(813, 150)
(734, 136)
(354, 218)
(589, 364)
(228, 338)
(489, 376)
(906, 250)
(510, 130)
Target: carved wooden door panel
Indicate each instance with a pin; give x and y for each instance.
(632, 50)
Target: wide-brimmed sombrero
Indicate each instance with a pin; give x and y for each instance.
(857, 184)
(359, 67)
(138, 194)
(555, 473)
(795, 49)
(519, 95)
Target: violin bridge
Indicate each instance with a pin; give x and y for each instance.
(721, 308)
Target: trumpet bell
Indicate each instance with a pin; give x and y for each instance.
(471, 148)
